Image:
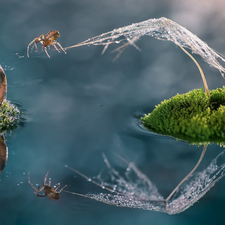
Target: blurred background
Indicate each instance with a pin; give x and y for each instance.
(81, 104)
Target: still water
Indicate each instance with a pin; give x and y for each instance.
(80, 105)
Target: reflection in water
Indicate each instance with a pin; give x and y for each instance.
(3, 153)
(192, 171)
(3, 148)
(134, 189)
(9, 118)
(52, 192)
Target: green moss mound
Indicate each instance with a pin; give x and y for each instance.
(192, 117)
(9, 116)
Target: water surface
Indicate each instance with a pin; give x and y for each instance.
(81, 104)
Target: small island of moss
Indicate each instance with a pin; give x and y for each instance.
(193, 117)
(9, 116)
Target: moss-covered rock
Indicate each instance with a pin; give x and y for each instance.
(192, 117)
(9, 116)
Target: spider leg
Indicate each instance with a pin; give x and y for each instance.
(46, 176)
(35, 45)
(29, 46)
(55, 47)
(46, 52)
(50, 182)
(58, 185)
(37, 190)
(41, 37)
(61, 188)
(60, 46)
(36, 40)
(40, 195)
(32, 48)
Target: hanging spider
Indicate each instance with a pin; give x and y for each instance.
(51, 192)
(47, 40)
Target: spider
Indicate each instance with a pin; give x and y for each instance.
(52, 193)
(47, 40)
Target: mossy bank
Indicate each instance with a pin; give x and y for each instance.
(193, 117)
(9, 116)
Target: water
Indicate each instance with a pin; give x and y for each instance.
(81, 104)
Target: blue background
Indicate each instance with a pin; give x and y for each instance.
(81, 104)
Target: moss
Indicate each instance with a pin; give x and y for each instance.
(9, 116)
(192, 117)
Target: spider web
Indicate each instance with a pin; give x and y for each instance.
(162, 29)
(134, 189)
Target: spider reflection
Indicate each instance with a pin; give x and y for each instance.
(49, 191)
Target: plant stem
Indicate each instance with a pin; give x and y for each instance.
(200, 70)
(200, 159)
